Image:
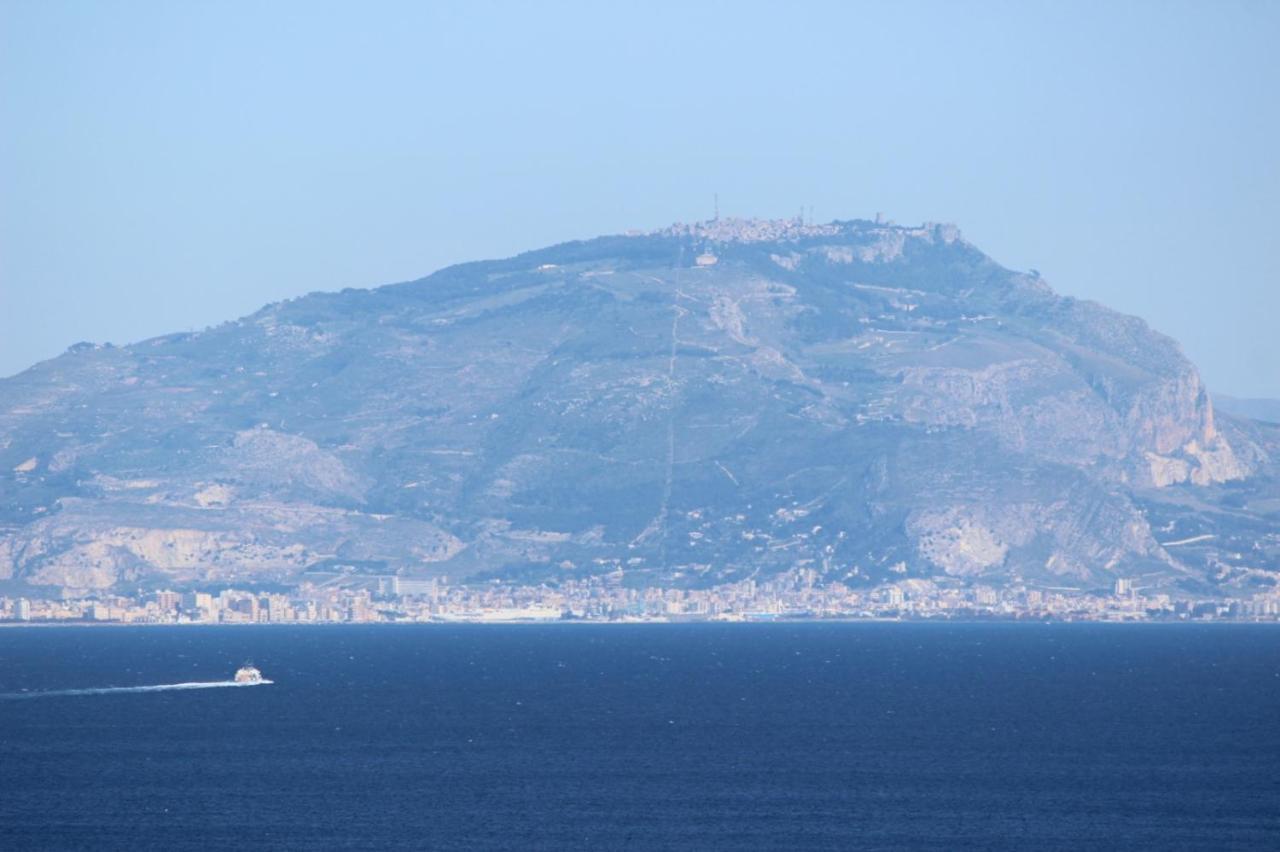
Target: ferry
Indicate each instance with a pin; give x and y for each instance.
(248, 675)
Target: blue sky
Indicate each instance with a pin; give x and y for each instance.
(167, 166)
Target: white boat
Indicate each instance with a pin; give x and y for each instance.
(248, 675)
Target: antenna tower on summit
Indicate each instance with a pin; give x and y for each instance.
(717, 207)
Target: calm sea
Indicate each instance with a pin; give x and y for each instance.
(715, 737)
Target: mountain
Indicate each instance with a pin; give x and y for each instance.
(1255, 409)
(689, 406)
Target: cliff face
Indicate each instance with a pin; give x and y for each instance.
(694, 405)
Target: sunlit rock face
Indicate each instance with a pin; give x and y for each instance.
(691, 406)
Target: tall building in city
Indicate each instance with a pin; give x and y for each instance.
(416, 588)
(197, 600)
(167, 601)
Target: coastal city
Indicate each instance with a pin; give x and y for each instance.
(795, 595)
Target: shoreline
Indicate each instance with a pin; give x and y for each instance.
(1041, 622)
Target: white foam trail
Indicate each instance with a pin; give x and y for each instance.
(115, 690)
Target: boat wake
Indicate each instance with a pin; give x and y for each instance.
(117, 690)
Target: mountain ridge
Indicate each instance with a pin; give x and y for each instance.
(690, 405)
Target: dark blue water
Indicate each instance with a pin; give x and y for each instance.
(645, 737)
